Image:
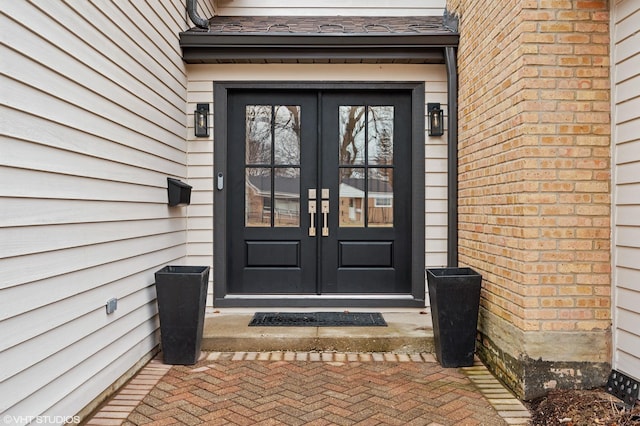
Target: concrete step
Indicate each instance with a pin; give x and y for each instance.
(407, 332)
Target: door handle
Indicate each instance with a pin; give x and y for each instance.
(325, 212)
(312, 212)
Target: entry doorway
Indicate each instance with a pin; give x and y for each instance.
(318, 196)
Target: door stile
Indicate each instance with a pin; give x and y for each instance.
(318, 177)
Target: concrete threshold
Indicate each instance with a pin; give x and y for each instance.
(406, 332)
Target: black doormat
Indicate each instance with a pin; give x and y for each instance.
(318, 319)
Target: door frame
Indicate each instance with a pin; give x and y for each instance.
(414, 299)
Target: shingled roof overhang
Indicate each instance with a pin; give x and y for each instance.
(305, 39)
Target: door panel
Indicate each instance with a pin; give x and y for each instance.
(366, 254)
(366, 149)
(273, 253)
(272, 161)
(320, 189)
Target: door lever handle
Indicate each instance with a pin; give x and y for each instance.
(312, 218)
(312, 212)
(325, 214)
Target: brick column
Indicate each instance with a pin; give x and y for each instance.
(534, 186)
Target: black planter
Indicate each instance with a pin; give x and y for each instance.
(182, 294)
(454, 294)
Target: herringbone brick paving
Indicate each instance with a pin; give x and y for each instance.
(302, 389)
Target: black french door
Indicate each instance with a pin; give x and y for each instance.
(319, 192)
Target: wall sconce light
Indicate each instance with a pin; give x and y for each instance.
(436, 125)
(201, 121)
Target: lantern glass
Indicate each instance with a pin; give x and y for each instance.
(435, 114)
(201, 121)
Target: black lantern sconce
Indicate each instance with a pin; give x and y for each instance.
(436, 122)
(201, 121)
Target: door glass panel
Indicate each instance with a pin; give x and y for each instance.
(352, 135)
(380, 197)
(287, 135)
(258, 134)
(277, 126)
(366, 140)
(287, 197)
(352, 197)
(380, 135)
(258, 200)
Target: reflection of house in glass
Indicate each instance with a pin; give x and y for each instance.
(284, 206)
(284, 203)
(379, 202)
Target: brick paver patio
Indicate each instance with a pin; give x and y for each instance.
(311, 388)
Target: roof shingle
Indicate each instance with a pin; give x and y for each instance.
(338, 25)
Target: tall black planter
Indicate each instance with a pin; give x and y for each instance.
(182, 294)
(454, 294)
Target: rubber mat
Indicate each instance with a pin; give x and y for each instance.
(318, 319)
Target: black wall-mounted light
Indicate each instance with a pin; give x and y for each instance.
(201, 120)
(436, 123)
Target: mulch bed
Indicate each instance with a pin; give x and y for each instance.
(581, 408)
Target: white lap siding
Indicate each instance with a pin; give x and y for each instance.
(92, 123)
(331, 7)
(626, 189)
(201, 78)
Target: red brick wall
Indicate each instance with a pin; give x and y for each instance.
(534, 165)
